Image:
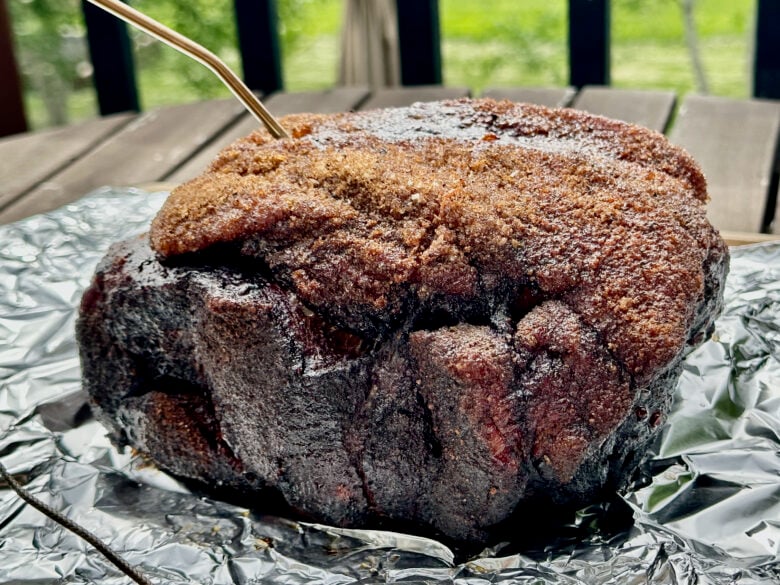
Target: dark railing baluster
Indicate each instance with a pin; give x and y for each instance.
(766, 65)
(419, 40)
(258, 41)
(589, 41)
(12, 118)
(112, 61)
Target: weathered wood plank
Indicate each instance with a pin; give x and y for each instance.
(338, 99)
(29, 159)
(405, 96)
(743, 238)
(145, 150)
(735, 142)
(279, 104)
(651, 109)
(552, 97)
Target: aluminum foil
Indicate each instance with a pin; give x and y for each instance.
(705, 509)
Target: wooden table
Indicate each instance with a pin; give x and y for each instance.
(736, 142)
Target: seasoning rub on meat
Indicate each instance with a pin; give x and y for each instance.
(421, 317)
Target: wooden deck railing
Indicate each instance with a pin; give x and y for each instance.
(766, 67)
(419, 41)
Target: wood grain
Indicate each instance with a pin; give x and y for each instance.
(735, 142)
(651, 109)
(145, 150)
(27, 160)
(406, 96)
(744, 238)
(552, 97)
(339, 99)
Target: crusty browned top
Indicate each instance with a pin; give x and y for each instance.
(376, 212)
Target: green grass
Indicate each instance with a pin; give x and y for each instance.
(504, 19)
(647, 65)
(482, 64)
(314, 65)
(82, 105)
(506, 43)
(501, 43)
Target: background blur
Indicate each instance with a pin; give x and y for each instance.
(698, 46)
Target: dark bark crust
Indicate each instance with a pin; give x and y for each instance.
(445, 426)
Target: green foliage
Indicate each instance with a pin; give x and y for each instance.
(212, 24)
(43, 29)
(309, 31)
(49, 47)
(302, 20)
(165, 75)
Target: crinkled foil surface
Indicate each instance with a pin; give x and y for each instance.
(707, 510)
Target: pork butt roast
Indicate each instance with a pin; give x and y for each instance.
(422, 317)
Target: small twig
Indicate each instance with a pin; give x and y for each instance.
(76, 529)
(200, 54)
